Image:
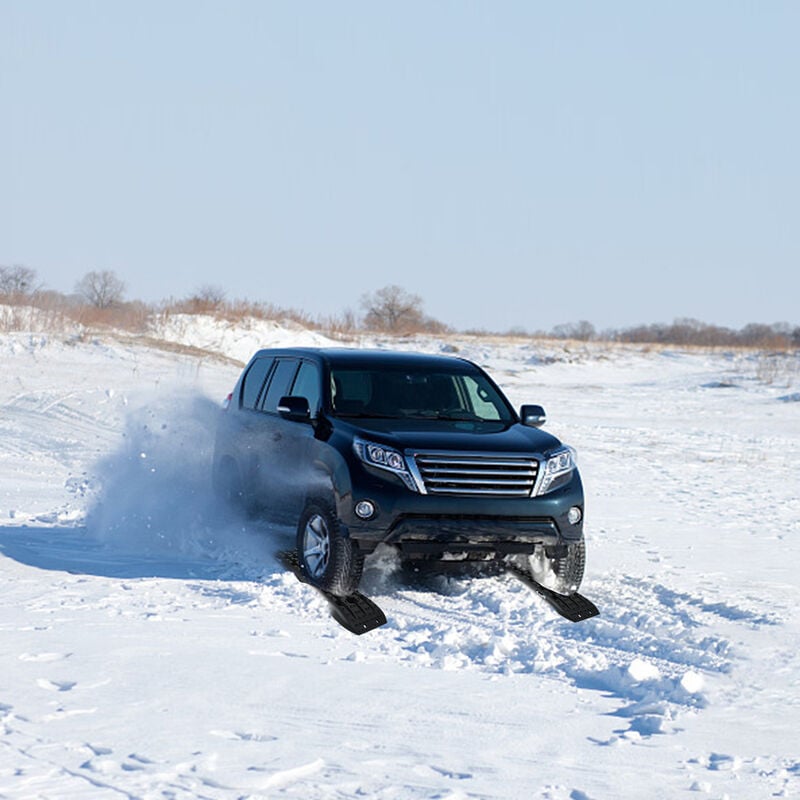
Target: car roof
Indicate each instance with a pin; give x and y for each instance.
(355, 358)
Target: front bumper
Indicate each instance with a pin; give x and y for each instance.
(433, 536)
(439, 524)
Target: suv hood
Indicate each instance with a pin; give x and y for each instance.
(444, 435)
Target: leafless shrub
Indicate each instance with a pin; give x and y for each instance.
(339, 325)
(238, 311)
(516, 332)
(32, 318)
(132, 317)
(207, 299)
(241, 309)
(768, 368)
(13, 318)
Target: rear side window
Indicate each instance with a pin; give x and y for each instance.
(279, 384)
(307, 384)
(254, 380)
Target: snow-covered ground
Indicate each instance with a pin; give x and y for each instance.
(151, 645)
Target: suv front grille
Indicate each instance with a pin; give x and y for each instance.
(476, 473)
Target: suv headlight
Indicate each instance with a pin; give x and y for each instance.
(558, 469)
(382, 457)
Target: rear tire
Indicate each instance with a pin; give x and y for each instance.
(562, 574)
(331, 561)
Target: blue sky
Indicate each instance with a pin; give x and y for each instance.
(516, 164)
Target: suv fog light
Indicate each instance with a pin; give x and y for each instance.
(365, 509)
(574, 515)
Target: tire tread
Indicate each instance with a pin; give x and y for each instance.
(570, 568)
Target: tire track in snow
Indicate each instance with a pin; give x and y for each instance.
(651, 648)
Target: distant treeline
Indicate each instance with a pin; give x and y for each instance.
(99, 300)
(687, 332)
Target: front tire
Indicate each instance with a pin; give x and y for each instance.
(330, 560)
(562, 574)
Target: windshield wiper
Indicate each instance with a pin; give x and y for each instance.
(364, 415)
(464, 416)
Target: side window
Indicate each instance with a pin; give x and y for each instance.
(254, 380)
(307, 384)
(279, 384)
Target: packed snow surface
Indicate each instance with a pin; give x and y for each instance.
(153, 646)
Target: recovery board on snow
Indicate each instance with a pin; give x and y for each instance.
(574, 607)
(356, 612)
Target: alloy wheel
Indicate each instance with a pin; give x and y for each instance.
(316, 545)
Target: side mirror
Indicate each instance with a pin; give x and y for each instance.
(294, 408)
(532, 416)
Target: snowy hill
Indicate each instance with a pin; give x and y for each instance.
(152, 646)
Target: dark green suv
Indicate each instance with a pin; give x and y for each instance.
(421, 452)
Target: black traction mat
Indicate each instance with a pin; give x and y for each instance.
(574, 607)
(356, 612)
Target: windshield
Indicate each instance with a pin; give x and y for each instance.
(416, 394)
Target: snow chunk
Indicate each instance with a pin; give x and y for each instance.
(641, 670)
(692, 682)
(722, 762)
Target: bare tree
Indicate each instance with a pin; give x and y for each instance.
(210, 293)
(754, 334)
(101, 289)
(582, 331)
(393, 309)
(17, 281)
(206, 298)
